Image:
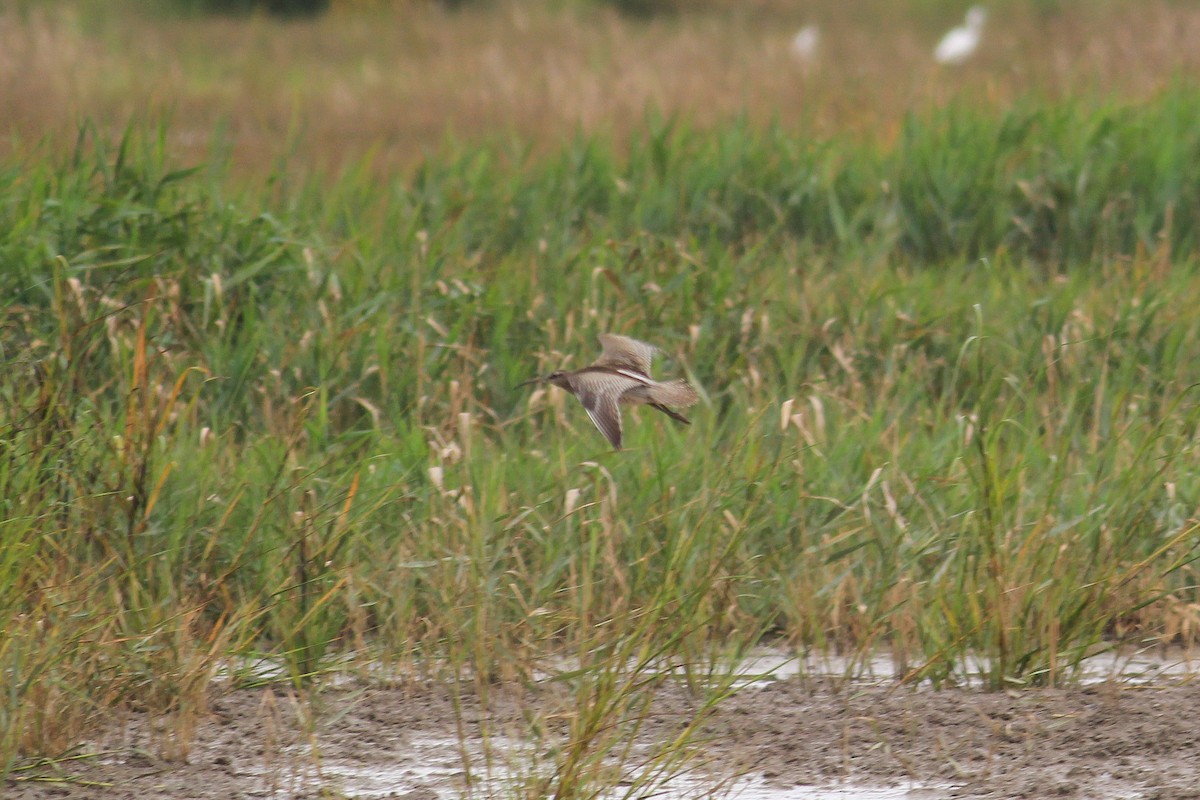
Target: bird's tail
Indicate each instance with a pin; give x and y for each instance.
(672, 413)
(673, 393)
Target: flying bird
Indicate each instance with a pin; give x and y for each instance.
(621, 376)
(959, 43)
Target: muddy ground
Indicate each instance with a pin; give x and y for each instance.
(1109, 740)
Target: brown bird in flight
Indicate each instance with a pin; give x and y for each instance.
(621, 376)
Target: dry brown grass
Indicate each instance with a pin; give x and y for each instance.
(399, 81)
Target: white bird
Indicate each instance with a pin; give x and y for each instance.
(958, 44)
(804, 44)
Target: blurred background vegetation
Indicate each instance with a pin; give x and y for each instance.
(392, 82)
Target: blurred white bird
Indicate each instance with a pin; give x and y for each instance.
(804, 44)
(958, 45)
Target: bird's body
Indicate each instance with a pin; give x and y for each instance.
(621, 376)
(959, 43)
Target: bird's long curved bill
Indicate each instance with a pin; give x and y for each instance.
(538, 379)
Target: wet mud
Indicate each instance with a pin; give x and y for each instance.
(792, 738)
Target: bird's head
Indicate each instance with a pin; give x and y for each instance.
(558, 378)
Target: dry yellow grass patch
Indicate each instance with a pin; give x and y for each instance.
(396, 79)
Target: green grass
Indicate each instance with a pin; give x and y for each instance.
(949, 411)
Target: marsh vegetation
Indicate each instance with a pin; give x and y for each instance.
(258, 393)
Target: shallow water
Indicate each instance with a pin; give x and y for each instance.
(766, 664)
(757, 789)
(1128, 665)
(368, 783)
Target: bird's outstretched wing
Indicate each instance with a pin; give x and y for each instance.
(624, 352)
(600, 393)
